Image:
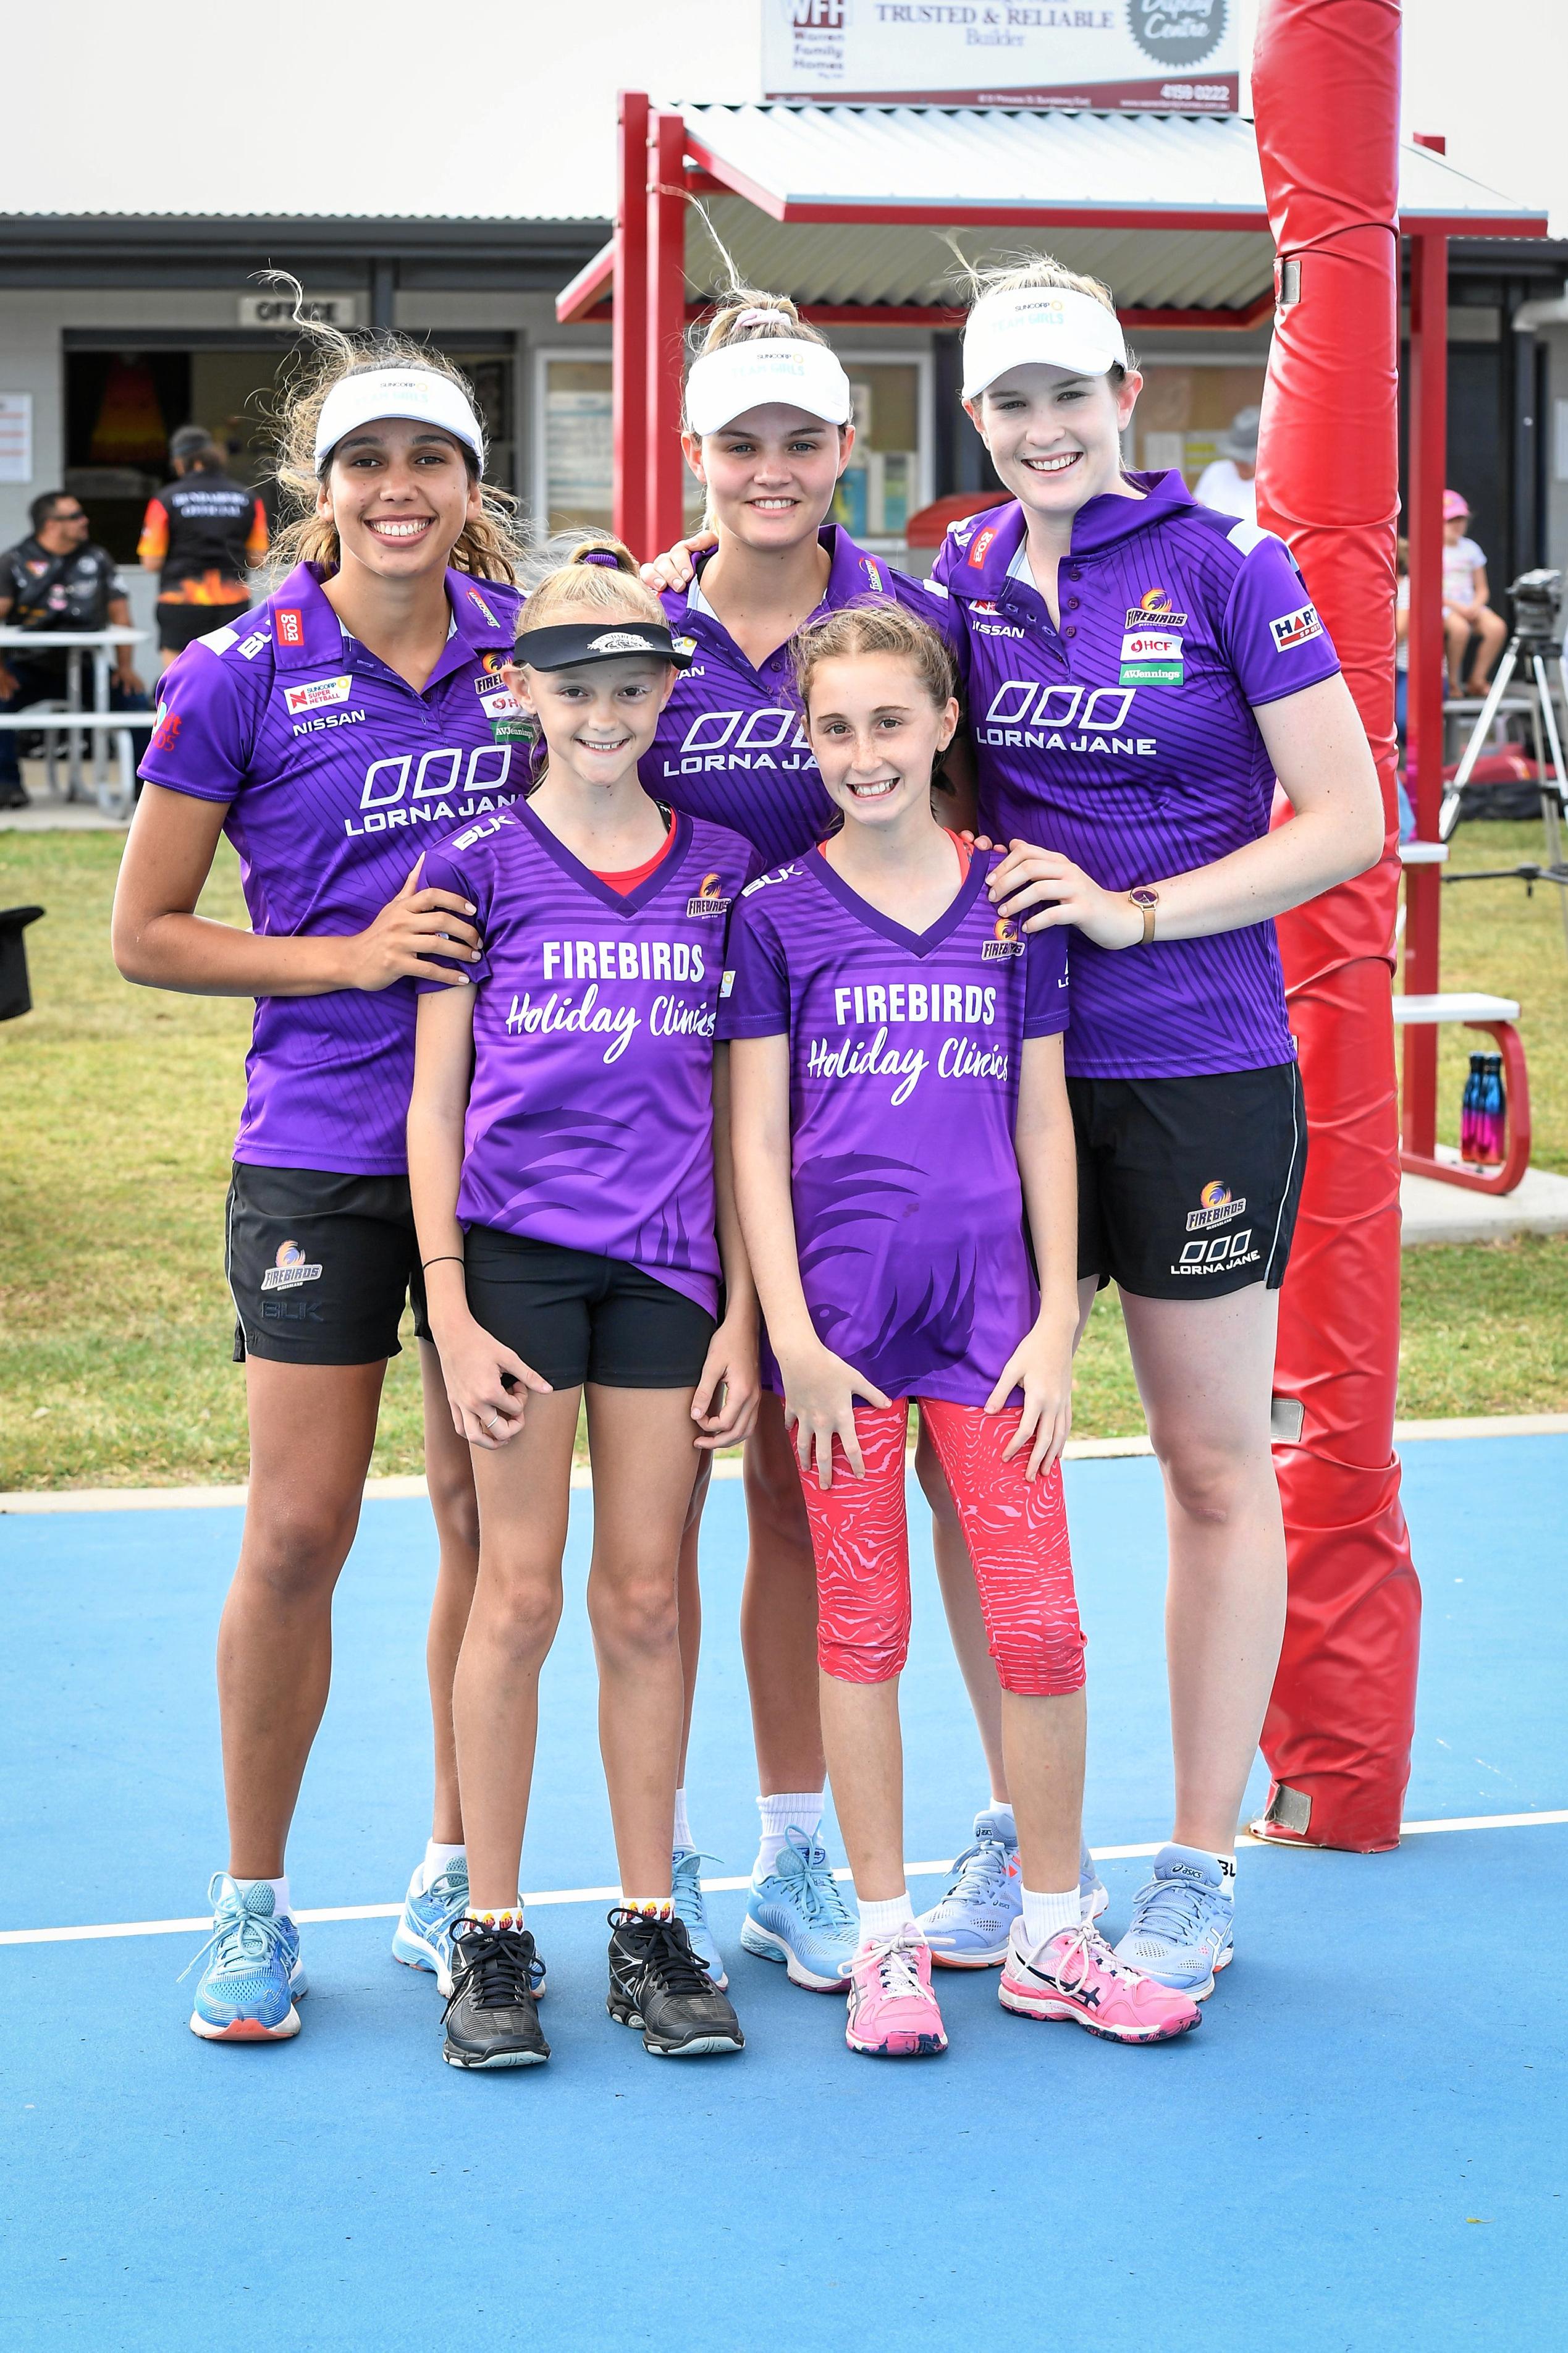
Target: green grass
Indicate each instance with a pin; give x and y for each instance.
(118, 1106)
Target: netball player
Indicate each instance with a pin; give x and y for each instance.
(1139, 669)
(574, 1229)
(330, 735)
(878, 1007)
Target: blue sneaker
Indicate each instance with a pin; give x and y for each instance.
(253, 1971)
(969, 1925)
(797, 1915)
(1182, 1923)
(691, 1905)
(423, 1937)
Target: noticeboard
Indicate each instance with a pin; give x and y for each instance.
(1165, 55)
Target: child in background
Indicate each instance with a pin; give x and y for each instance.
(1466, 603)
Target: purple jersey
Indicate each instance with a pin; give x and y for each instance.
(1125, 739)
(731, 744)
(590, 1116)
(336, 774)
(904, 1055)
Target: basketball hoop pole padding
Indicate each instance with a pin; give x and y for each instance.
(1325, 86)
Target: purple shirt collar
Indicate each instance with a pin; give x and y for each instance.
(480, 610)
(1100, 523)
(851, 573)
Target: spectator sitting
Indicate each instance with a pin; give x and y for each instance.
(1466, 603)
(1229, 483)
(201, 535)
(55, 580)
(1402, 682)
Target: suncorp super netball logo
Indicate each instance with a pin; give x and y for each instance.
(1178, 33)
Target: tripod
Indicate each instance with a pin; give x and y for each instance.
(1528, 649)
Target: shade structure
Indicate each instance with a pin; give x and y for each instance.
(847, 209)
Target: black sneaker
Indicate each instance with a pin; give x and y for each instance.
(657, 1982)
(492, 2017)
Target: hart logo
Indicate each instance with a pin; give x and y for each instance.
(1295, 628)
(316, 695)
(710, 899)
(1004, 940)
(1219, 1207)
(289, 623)
(289, 1270)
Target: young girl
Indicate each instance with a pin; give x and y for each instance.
(768, 434)
(880, 1010)
(574, 1224)
(329, 735)
(1139, 669)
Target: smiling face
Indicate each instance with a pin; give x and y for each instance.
(876, 732)
(770, 475)
(399, 494)
(1054, 439)
(599, 718)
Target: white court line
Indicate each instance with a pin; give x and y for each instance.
(714, 1886)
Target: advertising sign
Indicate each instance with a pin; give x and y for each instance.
(1173, 57)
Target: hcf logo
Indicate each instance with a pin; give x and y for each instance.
(387, 782)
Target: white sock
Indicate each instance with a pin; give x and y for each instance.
(1226, 1873)
(795, 1810)
(1001, 1813)
(280, 1891)
(879, 1920)
(682, 1827)
(437, 1858)
(499, 1915)
(1047, 1916)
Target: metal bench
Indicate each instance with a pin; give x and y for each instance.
(44, 719)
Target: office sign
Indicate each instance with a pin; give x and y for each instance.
(277, 309)
(1170, 55)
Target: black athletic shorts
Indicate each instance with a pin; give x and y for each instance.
(1188, 1188)
(180, 624)
(320, 1265)
(576, 1317)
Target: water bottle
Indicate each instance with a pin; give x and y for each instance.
(1494, 1109)
(1470, 1112)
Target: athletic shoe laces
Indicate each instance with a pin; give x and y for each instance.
(686, 1888)
(1084, 1952)
(241, 1939)
(979, 1873)
(896, 1960)
(664, 1951)
(497, 1968)
(1175, 1911)
(822, 1904)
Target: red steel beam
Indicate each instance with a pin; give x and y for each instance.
(629, 254)
(666, 202)
(1428, 470)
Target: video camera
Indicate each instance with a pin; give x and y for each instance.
(1538, 607)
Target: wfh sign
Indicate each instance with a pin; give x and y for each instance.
(1179, 56)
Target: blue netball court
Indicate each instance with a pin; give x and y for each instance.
(1364, 2146)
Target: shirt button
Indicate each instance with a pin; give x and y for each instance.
(1073, 602)
(1074, 572)
(1071, 630)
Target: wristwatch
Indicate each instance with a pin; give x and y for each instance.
(1146, 900)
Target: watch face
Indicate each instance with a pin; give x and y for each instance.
(1144, 897)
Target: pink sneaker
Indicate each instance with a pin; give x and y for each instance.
(892, 2010)
(1076, 1975)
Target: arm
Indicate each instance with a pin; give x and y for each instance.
(119, 619)
(675, 568)
(820, 1389)
(1324, 765)
(158, 940)
(485, 1382)
(1041, 1365)
(731, 1360)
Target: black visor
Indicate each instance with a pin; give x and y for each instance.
(579, 642)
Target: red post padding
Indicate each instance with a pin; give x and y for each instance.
(1325, 86)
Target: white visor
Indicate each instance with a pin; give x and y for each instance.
(1054, 325)
(723, 384)
(423, 395)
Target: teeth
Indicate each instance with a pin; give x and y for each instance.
(400, 530)
(1052, 465)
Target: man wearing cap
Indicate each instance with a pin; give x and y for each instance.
(201, 535)
(1229, 481)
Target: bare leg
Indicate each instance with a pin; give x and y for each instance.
(640, 1441)
(524, 1491)
(866, 1760)
(778, 1613)
(691, 1588)
(448, 1472)
(1205, 1371)
(966, 1622)
(1492, 633)
(1044, 1742)
(311, 1430)
(1455, 639)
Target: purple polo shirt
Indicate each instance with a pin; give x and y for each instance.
(1125, 739)
(731, 744)
(336, 775)
(590, 1119)
(904, 1056)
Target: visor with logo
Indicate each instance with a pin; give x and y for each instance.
(1054, 326)
(575, 642)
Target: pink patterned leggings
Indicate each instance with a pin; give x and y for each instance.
(1017, 1532)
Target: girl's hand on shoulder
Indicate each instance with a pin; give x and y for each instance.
(487, 1384)
(820, 1390)
(1060, 892)
(730, 1366)
(409, 932)
(1041, 1365)
(675, 568)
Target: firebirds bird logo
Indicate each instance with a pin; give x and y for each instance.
(1004, 940)
(710, 899)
